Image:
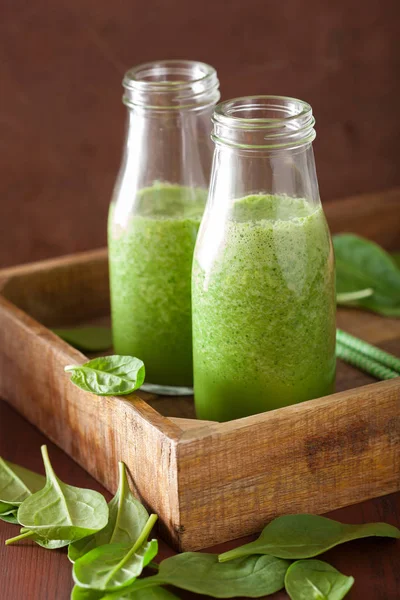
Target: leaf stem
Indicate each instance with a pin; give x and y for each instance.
(139, 542)
(17, 538)
(352, 296)
(70, 367)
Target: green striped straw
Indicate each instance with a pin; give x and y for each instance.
(364, 363)
(368, 350)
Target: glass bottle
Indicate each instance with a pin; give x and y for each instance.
(158, 201)
(263, 283)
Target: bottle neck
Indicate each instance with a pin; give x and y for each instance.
(171, 86)
(264, 123)
(264, 146)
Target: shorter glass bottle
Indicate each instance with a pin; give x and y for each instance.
(158, 201)
(263, 280)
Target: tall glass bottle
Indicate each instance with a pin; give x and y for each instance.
(158, 201)
(263, 274)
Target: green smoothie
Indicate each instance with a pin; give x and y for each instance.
(150, 275)
(263, 309)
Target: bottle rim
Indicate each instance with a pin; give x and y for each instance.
(263, 121)
(171, 84)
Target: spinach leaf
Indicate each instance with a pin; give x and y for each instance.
(127, 518)
(253, 576)
(155, 593)
(360, 265)
(113, 566)
(315, 579)
(80, 593)
(60, 511)
(91, 339)
(10, 516)
(305, 536)
(16, 484)
(396, 258)
(109, 375)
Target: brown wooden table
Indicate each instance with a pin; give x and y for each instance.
(28, 572)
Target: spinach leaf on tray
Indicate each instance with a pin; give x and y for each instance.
(307, 579)
(305, 536)
(108, 375)
(363, 265)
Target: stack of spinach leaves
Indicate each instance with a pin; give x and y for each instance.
(109, 545)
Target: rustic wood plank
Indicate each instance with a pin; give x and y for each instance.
(312, 457)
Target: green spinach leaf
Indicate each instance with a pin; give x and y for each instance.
(16, 484)
(253, 576)
(91, 339)
(10, 516)
(316, 580)
(155, 593)
(108, 375)
(127, 518)
(396, 258)
(60, 511)
(362, 264)
(113, 566)
(305, 536)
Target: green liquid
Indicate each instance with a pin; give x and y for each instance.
(150, 276)
(264, 310)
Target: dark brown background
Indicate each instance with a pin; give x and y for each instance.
(62, 121)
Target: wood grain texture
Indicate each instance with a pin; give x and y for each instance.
(30, 572)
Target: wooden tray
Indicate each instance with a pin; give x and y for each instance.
(208, 482)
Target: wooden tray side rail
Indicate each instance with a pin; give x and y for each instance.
(312, 457)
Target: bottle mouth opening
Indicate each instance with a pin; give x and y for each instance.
(268, 121)
(170, 83)
(166, 74)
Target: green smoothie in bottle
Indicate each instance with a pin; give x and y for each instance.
(263, 280)
(158, 202)
(264, 312)
(150, 272)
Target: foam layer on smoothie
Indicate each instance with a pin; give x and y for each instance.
(264, 309)
(150, 271)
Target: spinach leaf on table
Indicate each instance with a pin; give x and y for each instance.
(305, 536)
(10, 516)
(155, 593)
(315, 579)
(60, 511)
(127, 518)
(109, 375)
(362, 264)
(252, 577)
(91, 339)
(113, 566)
(16, 484)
